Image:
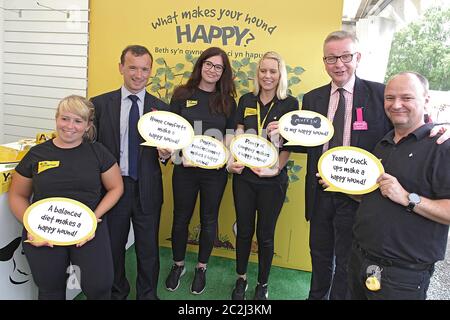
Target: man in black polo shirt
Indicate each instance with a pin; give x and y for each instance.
(401, 229)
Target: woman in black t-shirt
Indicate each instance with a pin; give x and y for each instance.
(207, 102)
(81, 169)
(260, 190)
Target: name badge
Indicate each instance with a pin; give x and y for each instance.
(249, 112)
(359, 124)
(45, 165)
(191, 103)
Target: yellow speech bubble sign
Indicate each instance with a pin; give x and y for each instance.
(206, 152)
(60, 221)
(350, 170)
(305, 128)
(165, 130)
(253, 151)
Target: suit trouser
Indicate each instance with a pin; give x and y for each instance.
(146, 243)
(187, 183)
(330, 243)
(93, 260)
(397, 283)
(266, 200)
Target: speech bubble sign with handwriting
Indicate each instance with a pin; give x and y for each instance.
(350, 170)
(60, 221)
(206, 152)
(305, 128)
(253, 151)
(165, 130)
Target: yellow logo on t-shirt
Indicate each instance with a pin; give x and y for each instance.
(45, 165)
(191, 103)
(249, 112)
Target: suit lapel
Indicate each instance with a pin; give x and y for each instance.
(323, 100)
(114, 115)
(321, 106)
(360, 100)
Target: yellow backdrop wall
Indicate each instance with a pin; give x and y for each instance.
(176, 32)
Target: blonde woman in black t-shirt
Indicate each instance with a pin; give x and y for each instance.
(85, 169)
(259, 193)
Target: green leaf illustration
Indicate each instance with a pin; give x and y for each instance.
(179, 67)
(295, 80)
(160, 61)
(156, 80)
(160, 71)
(236, 64)
(245, 61)
(298, 70)
(241, 75)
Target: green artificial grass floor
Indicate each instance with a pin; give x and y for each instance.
(284, 284)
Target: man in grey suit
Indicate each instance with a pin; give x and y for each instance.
(116, 114)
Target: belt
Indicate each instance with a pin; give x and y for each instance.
(385, 262)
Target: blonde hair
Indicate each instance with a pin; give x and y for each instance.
(282, 83)
(83, 108)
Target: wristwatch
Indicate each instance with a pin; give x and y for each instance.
(414, 199)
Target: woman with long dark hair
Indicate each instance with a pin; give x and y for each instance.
(207, 102)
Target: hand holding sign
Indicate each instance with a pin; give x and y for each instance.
(253, 151)
(206, 152)
(59, 221)
(350, 170)
(165, 130)
(305, 128)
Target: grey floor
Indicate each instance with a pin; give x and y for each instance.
(440, 282)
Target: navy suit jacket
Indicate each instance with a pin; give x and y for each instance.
(107, 123)
(368, 95)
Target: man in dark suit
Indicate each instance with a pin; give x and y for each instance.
(143, 194)
(331, 214)
(356, 107)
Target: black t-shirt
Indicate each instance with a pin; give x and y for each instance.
(196, 111)
(73, 173)
(384, 227)
(247, 115)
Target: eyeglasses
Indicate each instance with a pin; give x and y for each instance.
(217, 67)
(345, 58)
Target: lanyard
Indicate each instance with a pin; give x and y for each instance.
(258, 113)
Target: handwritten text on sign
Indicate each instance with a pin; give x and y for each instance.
(253, 151)
(350, 170)
(60, 221)
(165, 130)
(206, 152)
(305, 128)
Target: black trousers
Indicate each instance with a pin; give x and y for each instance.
(266, 201)
(330, 243)
(93, 260)
(187, 183)
(146, 243)
(397, 283)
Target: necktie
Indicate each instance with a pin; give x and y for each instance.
(133, 138)
(338, 122)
